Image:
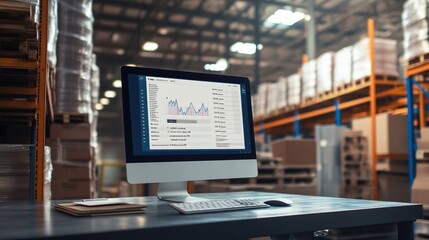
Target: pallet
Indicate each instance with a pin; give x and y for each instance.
(420, 59)
(71, 118)
(308, 100)
(422, 154)
(323, 94)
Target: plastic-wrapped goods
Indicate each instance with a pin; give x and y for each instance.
(416, 28)
(343, 66)
(15, 172)
(95, 83)
(386, 60)
(52, 31)
(272, 98)
(263, 89)
(325, 71)
(309, 79)
(32, 5)
(414, 11)
(74, 53)
(294, 89)
(282, 93)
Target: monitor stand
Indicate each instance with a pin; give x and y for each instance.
(176, 192)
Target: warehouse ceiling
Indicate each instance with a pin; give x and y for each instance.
(193, 33)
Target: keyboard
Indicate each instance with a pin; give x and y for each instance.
(217, 205)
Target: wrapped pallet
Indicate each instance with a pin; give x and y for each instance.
(416, 31)
(309, 79)
(343, 66)
(325, 72)
(74, 57)
(272, 97)
(263, 89)
(16, 172)
(386, 60)
(282, 93)
(294, 89)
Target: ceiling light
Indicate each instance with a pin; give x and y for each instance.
(219, 66)
(120, 51)
(163, 31)
(245, 48)
(110, 94)
(284, 17)
(105, 101)
(117, 84)
(99, 106)
(150, 46)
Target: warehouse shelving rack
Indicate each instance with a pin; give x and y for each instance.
(367, 97)
(420, 71)
(33, 106)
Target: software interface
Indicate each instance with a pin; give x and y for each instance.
(188, 116)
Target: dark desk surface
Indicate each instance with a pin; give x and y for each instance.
(308, 213)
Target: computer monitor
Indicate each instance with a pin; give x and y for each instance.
(185, 126)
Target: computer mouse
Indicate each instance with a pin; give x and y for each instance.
(279, 202)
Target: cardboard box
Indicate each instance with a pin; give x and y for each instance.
(391, 133)
(420, 189)
(65, 150)
(62, 189)
(392, 165)
(72, 172)
(295, 151)
(393, 187)
(71, 131)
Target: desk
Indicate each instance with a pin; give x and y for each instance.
(308, 213)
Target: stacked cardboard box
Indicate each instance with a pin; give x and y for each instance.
(343, 66)
(391, 139)
(415, 22)
(294, 89)
(391, 133)
(309, 79)
(325, 72)
(420, 188)
(386, 59)
(355, 168)
(296, 171)
(15, 173)
(73, 161)
(295, 152)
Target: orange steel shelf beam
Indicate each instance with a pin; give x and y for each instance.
(41, 102)
(394, 91)
(313, 114)
(17, 63)
(422, 110)
(373, 106)
(417, 69)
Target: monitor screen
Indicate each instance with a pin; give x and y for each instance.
(184, 116)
